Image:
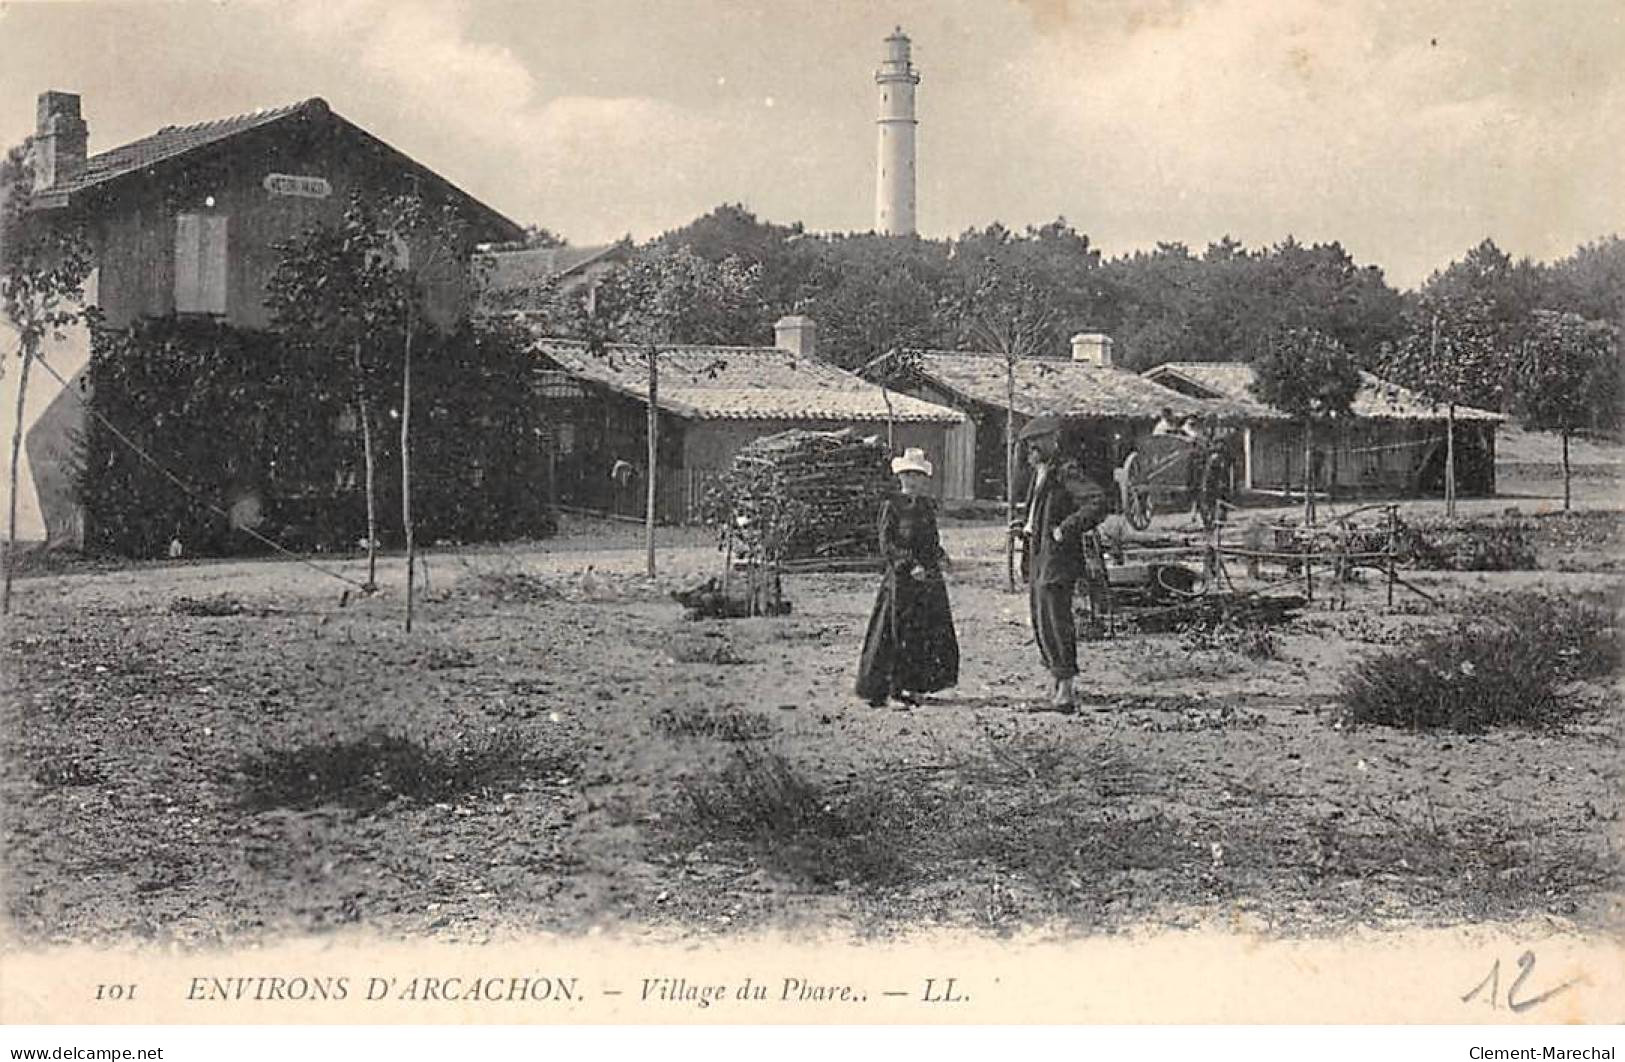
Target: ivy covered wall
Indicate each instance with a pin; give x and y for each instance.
(267, 434)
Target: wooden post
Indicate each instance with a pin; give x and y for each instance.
(1566, 472)
(16, 455)
(1009, 472)
(654, 459)
(1391, 550)
(1450, 460)
(406, 460)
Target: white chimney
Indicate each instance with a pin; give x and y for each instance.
(798, 334)
(1094, 348)
(60, 140)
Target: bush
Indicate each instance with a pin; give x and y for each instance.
(368, 772)
(810, 832)
(248, 420)
(1493, 545)
(1231, 634)
(1505, 666)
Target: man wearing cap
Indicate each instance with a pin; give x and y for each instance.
(1063, 504)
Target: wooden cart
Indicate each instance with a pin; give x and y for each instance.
(1170, 473)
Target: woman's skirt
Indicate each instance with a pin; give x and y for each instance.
(910, 645)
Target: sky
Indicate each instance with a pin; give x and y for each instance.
(1408, 131)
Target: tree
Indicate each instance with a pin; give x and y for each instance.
(334, 291)
(1568, 374)
(44, 262)
(1002, 303)
(430, 248)
(662, 297)
(897, 365)
(873, 294)
(1453, 356)
(1310, 376)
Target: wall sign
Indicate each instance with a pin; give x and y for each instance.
(304, 187)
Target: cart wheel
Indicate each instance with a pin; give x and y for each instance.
(1136, 493)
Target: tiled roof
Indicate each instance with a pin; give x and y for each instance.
(740, 383)
(519, 269)
(1377, 398)
(1058, 385)
(173, 140)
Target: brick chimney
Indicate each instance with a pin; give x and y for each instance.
(1094, 348)
(797, 334)
(60, 139)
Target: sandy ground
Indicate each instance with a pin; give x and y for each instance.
(574, 753)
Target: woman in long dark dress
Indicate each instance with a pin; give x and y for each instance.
(910, 647)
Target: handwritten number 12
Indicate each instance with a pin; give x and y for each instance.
(1526, 966)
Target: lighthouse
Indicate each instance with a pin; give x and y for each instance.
(894, 166)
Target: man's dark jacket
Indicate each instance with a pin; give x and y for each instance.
(1069, 499)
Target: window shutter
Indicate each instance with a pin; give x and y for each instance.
(200, 263)
(212, 264)
(187, 246)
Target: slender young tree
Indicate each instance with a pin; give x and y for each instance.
(1310, 376)
(1003, 304)
(334, 291)
(896, 366)
(44, 263)
(1568, 377)
(430, 251)
(663, 296)
(1454, 352)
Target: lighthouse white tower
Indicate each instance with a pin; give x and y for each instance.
(894, 175)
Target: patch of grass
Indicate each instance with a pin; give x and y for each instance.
(368, 772)
(214, 605)
(812, 832)
(1580, 629)
(1151, 663)
(724, 724)
(447, 657)
(511, 585)
(1497, 544)
(710, 648)
(1230, 634)
(59, 770)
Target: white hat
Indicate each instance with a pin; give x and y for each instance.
(913, 460)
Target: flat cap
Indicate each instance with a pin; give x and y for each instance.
(1043, 424)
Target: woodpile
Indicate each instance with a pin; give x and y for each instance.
(804, 495)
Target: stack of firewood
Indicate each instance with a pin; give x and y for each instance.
(805, 494)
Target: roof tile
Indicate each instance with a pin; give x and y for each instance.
(1377, 399)
(741, 383)
(1056, 385)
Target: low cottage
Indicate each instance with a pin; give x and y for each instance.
(1393, 444)
(1108, 406)
(712, 401)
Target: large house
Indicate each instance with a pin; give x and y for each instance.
(1394, 443)
(1108, 408)
(712, 400)
(187, 222)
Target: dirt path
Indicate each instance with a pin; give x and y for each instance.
(580, 755)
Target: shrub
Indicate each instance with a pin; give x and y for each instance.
(724, 724)
(819, 834)
(1231, 634)
(1492, 545)
(1504, 666)
(368, 772)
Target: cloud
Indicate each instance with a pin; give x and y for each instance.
(1384, 127)
(594, 167)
